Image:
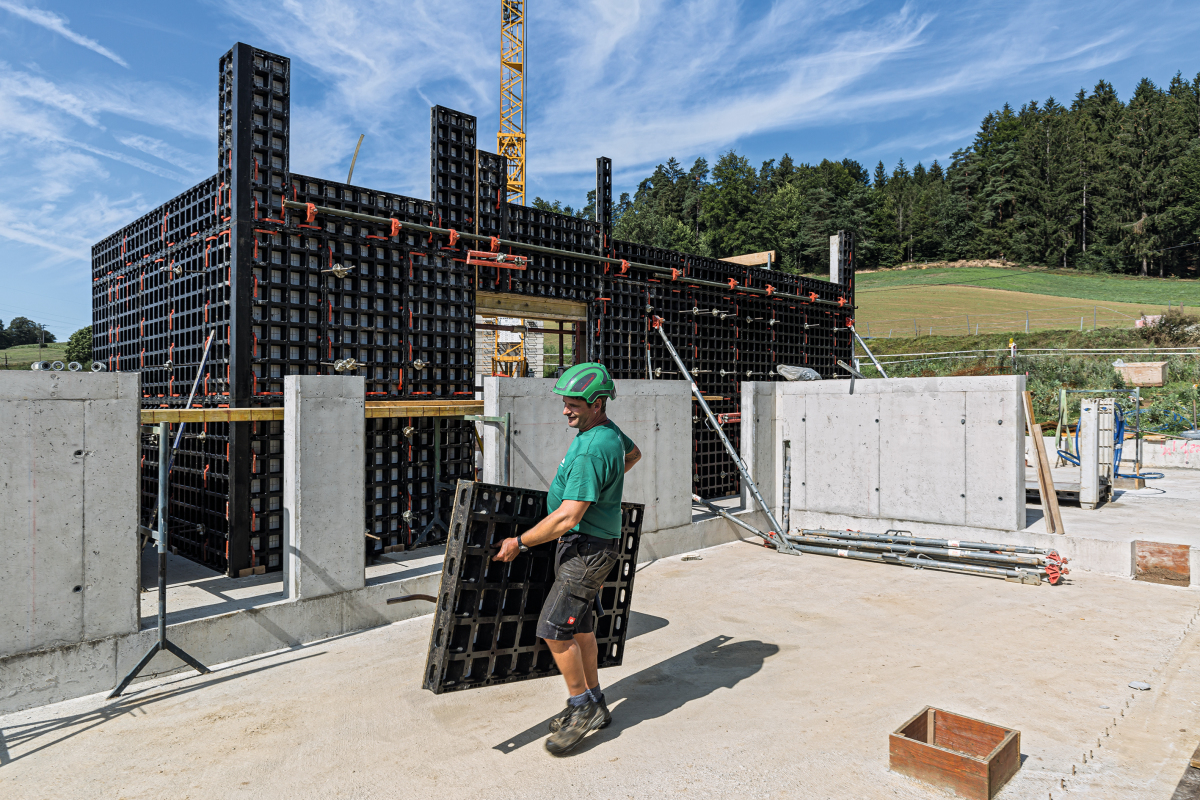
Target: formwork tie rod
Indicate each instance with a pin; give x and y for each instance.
(492, 241)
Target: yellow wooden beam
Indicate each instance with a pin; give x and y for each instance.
(374, 409)
(404, 408)
(151, 416)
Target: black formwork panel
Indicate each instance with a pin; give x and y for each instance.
(291, 293)
(484, 630)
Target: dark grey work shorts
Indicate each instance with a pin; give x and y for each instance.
(581, 564)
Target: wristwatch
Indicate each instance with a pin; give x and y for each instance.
(521, 545)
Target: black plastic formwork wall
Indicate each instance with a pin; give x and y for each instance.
(288, 294)
(485, 626)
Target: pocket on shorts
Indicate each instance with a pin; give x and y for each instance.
(568, 608)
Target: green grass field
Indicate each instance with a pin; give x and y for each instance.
(21, 356)
(1055, 283)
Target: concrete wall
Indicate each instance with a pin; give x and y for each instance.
(1180, 453)
(656, 415)
(945, 451)
(324, 431)
(68, 507)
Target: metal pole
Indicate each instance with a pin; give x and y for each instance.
(553, 251)
(874, 360)
(508, 449)
(163, 644)
(164, 452)
(720, 512)
(787, 486)
(777, 530)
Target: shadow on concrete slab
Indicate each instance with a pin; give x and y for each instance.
(137, 698)
(719, 663)
(640, 624)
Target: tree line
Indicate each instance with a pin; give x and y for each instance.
(22, 330)
(1100, 185)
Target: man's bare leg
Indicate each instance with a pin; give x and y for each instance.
(589, 653)
(569, 658)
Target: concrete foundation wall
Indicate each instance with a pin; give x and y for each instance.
(656, 415)
(68, 507)
(945, 451)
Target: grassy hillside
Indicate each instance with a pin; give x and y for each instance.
(1169, 407)
(21, 356)
(1055, 283)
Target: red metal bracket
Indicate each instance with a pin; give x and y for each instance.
(723, 419)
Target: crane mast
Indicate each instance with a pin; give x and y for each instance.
(510, 141)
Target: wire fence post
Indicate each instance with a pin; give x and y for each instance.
(1027, 322)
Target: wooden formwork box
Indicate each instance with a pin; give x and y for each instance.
(971, 758)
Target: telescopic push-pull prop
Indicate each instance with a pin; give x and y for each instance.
(777, 533)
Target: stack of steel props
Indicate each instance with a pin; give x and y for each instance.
(1011, 562)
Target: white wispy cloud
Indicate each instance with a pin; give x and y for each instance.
(191, 163)
(56, 24)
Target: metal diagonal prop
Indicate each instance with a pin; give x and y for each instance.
(867, 350)
(778, 534)
(163, 644)
(853, 373)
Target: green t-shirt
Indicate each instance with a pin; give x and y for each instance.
(594, 471)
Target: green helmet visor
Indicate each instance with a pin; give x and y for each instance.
(588, 381)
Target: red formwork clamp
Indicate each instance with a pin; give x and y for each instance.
(656, 322)
(841, 301)
(675, 274)
(812, 295)
(770, 290)
(1055, 567)
(395, 227)
(732, 284)
(310, 212)
(495, 244)
(624, 267)
(849, 322)
(453, 237)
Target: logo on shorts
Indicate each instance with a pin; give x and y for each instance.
(570, 620)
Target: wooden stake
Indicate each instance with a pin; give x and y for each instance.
(1050, 512)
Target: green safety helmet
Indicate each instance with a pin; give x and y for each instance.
(589, 381)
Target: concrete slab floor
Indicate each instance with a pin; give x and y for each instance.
(1167, 510)
(749, 674)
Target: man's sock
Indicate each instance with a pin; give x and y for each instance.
(597, 695)
(577, 700)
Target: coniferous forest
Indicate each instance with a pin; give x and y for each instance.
(1099, 185)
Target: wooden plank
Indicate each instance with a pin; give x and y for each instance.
(493, 304)
(1050, 513)
(374, 409)
(152, 416)
(389, 410)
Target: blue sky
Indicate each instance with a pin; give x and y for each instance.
(108, 109)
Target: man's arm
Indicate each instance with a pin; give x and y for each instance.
(632, 457)
(552, 526)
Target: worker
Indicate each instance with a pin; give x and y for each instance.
(584, 514)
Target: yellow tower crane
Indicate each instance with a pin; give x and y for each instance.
(510, 141)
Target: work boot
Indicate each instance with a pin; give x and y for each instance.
(579, 722)
(557, 722)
